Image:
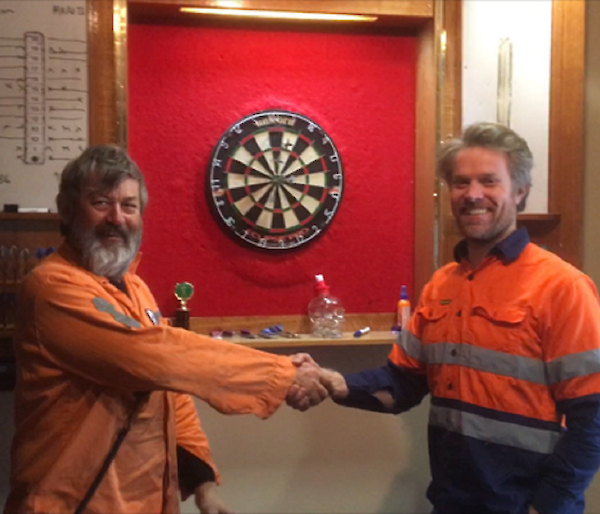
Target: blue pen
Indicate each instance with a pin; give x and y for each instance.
(362, 332)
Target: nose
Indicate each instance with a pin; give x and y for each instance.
(474, 191)
(116, 216)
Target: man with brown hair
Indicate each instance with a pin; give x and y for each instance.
(506, 340)
(104, 418)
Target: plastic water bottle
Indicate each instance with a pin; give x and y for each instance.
(325, 312)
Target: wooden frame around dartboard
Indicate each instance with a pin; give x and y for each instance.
(437, 27)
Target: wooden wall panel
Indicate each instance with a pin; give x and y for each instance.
(425, 144)
(399, 8)
(449, 120)
(101, 72)
(566, 161)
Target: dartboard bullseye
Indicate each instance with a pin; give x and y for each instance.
(275, 180)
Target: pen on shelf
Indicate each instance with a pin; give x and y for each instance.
(362, 332)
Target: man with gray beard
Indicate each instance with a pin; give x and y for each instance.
(104, 418)
(89, 235)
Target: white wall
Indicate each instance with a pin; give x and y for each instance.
(527, 23)
(40, 133)
(328, 460)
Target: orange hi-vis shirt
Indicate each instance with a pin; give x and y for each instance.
(507, 337)
(510, 353)
(84, 349)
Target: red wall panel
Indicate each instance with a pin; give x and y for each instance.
(187, 85)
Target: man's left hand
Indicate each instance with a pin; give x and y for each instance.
(208, 500)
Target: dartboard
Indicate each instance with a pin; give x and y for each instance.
(275, 180)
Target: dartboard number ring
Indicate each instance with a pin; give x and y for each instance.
(275, 180)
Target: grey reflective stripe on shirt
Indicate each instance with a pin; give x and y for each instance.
(411, 345)
(493, 431)
(103, 306)
(574, 365)
(474, 357)
(503, 364)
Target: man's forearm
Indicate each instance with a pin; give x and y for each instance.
(385, 389)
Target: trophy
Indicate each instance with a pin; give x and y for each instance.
(183, 292)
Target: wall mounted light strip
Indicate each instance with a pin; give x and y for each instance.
(287, 15)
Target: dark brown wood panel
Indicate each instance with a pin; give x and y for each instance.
(101, 73)
(425, 142)
(449, 118)
(566, 160)
(21, 235)
(451, 82)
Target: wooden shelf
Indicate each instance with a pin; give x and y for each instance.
(347, 339)
(400, 13)
(29, 216)
(542, 228)
(380, 334)
(549, 219)
(299, 324)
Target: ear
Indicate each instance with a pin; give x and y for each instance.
(521, 193)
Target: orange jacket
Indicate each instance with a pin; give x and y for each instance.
(83, 349)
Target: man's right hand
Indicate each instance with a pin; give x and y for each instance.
(335, 383)
(306, 390)
(330, 382)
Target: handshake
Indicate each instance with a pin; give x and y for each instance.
(313, 384)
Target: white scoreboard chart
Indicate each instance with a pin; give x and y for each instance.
(43, 96)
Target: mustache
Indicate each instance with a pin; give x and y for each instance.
(112, 231)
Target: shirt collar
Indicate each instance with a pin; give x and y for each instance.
(508, 249)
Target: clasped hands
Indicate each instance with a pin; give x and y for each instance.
(313, 384)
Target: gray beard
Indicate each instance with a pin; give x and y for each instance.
(111, 262)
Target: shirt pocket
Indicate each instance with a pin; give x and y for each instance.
(499, 327)
(432, 320)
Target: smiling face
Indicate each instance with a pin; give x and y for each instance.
(107, 228)
(112, 215)
(483, 198)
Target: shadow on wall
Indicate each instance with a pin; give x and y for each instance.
(7, 430)
(329, 460)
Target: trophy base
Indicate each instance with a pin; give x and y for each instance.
(182, 319)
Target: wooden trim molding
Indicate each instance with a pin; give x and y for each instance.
(449, 119)
(396, 8)
(566, 159)
(108, 82)
(425, 143)
(101, 73)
